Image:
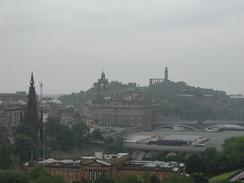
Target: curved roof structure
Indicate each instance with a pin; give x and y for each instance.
(222, 127)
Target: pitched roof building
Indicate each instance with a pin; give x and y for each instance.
(133, 110)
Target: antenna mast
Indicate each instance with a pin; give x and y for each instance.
(41, 87)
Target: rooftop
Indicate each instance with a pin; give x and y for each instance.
(145, 165)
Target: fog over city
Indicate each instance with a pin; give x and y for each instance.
(68, 43)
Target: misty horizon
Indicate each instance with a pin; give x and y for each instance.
(37, 86)
(68, 43)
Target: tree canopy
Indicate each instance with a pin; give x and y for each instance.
(37, 175)
(6, 152)
(234, 150)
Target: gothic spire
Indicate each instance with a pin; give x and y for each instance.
(31, 109)
(32, 82)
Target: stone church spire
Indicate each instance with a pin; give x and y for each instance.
(32, 79)
(31, 109)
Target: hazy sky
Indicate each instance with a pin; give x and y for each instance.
(67, 43)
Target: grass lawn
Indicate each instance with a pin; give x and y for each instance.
(222, 178)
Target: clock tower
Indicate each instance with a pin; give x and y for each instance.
(102, 87)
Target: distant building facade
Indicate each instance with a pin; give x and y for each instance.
(13, 97)
(11, 114)
(134, 110)
(54, 108)
(12, 109)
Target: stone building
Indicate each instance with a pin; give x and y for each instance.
(133, 110)
(13, 97)
(54, 108)
(11, 114)
(114, 166)
(12, 107)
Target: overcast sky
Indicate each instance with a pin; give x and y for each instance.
(67, 43)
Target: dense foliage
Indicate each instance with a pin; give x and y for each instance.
(37, 175)
(13, 177)
(178, 179)
(213, 163)
(234, 150)
(6, 151)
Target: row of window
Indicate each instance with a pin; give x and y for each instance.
(95, 174)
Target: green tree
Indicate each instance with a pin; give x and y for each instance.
(57, 179)
(129, 179)
(59, 137)
(52, 127)
(80, 131)
(43, 179)
(37, 172)
(25, 129)
(216, 162)
(234, 150)
(211, 158)
(194, 164)
(65, 139)
(23, 147)
(82, 181)
(155, 179)
(198, 178)
(178, 179)
(104, 179)
(40, 175)
(5, 150)
(147, 178)
(13, 177)
(49, 179)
